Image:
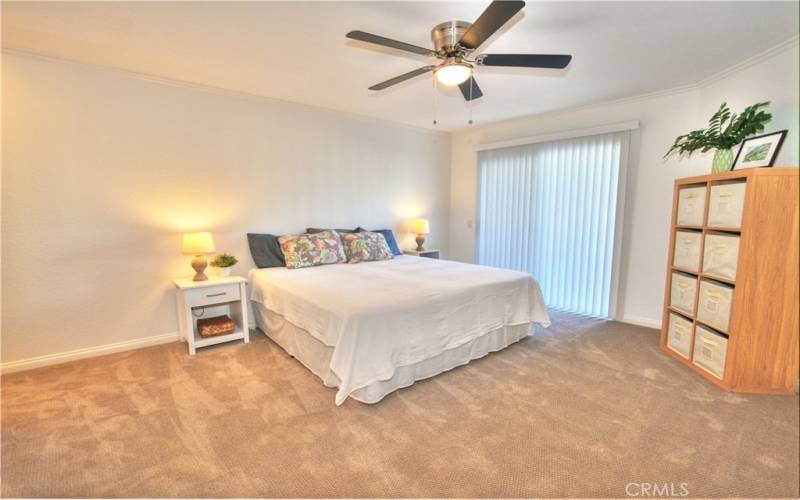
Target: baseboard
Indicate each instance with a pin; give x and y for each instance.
(640, 321)
(88, 352)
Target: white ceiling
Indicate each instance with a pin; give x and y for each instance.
(297, 51)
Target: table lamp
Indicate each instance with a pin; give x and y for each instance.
(198, 244)
(420, 227)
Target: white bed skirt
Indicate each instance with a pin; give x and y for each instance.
(316, 356)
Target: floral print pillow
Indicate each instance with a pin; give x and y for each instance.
(306, 250)
(365, 246)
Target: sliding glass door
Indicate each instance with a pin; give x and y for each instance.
(551, 209)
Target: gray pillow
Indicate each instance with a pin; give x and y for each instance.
(313, 230)
(266, 250)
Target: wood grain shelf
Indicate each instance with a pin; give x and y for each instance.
(711, 327)
(711, 229)
(685, 314)
(685, 271)
(702, 275)
(720, 279)
(762, 352)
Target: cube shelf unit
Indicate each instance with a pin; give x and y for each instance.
(762, 336)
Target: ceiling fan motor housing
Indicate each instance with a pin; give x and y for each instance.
(446, 35)
(456, 41)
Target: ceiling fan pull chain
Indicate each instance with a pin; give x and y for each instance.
(469, 104)
(435, 100)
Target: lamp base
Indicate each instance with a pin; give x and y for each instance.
(199, 264)
(420, 241)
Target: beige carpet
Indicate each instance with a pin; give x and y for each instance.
(581, 409)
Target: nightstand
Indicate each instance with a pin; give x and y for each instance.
(431, 254)
(204, 299)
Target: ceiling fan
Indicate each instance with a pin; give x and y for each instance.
(454, 43)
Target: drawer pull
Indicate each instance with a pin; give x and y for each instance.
(220, 294)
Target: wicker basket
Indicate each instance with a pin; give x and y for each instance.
(218, 325)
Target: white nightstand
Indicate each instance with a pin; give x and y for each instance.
(431, 254)
(219, 295)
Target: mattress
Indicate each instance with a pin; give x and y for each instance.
(379, 316)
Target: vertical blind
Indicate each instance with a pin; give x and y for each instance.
(550, 209)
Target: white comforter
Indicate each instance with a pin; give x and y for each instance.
(381, 315)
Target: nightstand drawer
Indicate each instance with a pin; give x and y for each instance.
(212, 295)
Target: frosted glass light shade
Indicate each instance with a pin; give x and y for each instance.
(198, 243)
(453, 74)
(420, 226)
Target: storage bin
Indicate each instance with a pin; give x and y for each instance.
(726, 204)
(714, 305)
(683, 292)
(721, 255)
(687, 250)
(691, 206)
(710, 351)
(679, 336)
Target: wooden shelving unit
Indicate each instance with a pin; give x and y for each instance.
(762, 338)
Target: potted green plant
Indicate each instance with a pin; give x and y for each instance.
(224, 262)
(725, 130)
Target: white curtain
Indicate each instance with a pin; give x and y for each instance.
(550, 209)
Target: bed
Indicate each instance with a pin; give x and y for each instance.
(371, 328)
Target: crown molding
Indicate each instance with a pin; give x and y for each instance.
(750, 61)
(211, 89)
(715, 77)
(773, 51)
(613, 102)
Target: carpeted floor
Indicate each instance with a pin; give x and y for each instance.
(584, 408)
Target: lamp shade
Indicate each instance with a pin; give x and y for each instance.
(198, 243)
(420, 226)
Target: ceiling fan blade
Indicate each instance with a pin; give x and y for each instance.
(555, 61)
(388, 42)
(402, 78)
(496, 15)
(470, 94)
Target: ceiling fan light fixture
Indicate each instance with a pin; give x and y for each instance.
(453, 73)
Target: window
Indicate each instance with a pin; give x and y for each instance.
(551, 209)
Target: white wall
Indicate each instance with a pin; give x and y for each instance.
(772, 76)
(103, 171)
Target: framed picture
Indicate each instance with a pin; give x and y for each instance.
(759, 151)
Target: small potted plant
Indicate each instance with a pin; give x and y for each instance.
(224, 262)
(725, 130)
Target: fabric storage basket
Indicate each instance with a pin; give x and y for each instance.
(687, 250)
(720, 255)
(726, 204)
(710, 351)
(682, 292)
(691, 205)
(714, 306)
(679, 337)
